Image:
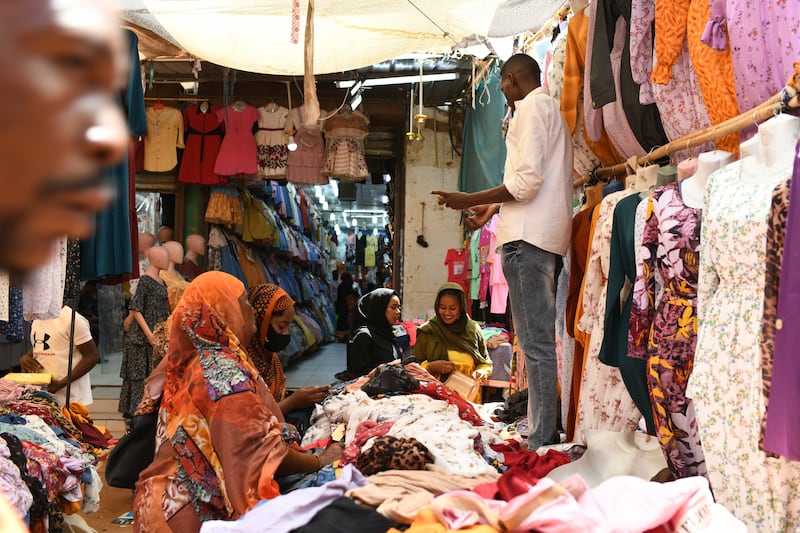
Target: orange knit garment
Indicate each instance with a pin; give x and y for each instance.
(714, 71)
(670, 29)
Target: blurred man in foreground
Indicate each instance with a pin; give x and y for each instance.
(62, 63)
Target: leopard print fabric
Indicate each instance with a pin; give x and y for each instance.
(776, 235)
(391, 453)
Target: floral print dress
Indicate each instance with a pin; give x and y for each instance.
(726, 383)
(663, 330)
(604, 401)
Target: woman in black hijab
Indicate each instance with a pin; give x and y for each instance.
(372, 340)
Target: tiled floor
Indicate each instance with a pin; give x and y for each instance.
(317, 368)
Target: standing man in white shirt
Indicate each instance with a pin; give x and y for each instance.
(50, 353)
(533, 232)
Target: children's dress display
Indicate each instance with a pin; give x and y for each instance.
(273, 151)
(203, 128)
(238, 153)
(344, 151)
(304, 164)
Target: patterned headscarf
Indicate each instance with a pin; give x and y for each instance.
(266, 299)
(205, 364)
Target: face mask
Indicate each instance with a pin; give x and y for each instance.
(275, 342)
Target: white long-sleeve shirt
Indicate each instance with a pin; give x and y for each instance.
(538, 174)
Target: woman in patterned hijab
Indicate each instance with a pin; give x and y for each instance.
(274, 310)
(220, 439)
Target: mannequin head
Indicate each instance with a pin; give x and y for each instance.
(195, 246)
(159, 258)
(776, 141)
(146, 241)
(709, 162)
(174, 251)
(164, 234)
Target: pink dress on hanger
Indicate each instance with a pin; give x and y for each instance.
(238, 154)
(304, 164)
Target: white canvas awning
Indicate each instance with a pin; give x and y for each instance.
(255, 36)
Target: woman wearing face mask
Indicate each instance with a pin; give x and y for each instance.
(451, 340)
(274, 311)
(372, 341)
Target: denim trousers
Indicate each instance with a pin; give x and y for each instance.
(532, 274)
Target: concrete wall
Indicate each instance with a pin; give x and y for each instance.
(430, 165)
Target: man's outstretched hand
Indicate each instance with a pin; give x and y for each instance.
(453, 200)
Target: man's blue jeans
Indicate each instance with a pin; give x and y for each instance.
(532, 274)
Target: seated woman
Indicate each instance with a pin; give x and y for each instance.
(219, 439)
(451, 340)
(372, 339)
(274, 311)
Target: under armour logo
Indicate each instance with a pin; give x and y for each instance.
(43, 342)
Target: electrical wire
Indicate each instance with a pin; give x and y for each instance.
(445, 33)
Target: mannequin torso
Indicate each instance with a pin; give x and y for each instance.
(195, 249)
(693, 188)
(610, 454)
(775, 153)
(749, 147)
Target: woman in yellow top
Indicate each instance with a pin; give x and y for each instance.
(451, 340)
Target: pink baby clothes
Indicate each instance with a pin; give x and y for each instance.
(497, 280)
(483, 251)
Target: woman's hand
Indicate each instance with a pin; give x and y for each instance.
(441, 367)
(481, 374)
(308, 396)
(331, 453)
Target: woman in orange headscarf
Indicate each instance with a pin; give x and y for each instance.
(219, 439)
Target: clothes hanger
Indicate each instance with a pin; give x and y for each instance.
(158, 106)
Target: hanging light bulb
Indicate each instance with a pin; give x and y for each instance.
(291, 145)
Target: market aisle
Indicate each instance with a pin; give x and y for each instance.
(317, 368)
(113, 503)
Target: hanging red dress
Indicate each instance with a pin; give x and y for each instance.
(203, 140)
